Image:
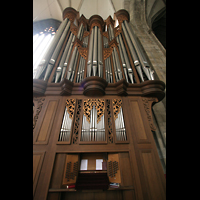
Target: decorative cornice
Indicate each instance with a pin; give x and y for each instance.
(122, 15)
(70, 13)
(96, 20)
(66, 87)
(39, 87)
(95, 85)
(109, 21)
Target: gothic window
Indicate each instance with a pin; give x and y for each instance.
(41, 41)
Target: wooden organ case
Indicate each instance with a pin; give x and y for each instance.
(92, 119)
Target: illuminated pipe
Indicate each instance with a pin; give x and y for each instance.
(56, 52)
(43, 63)
(89, 63)
(133, 53)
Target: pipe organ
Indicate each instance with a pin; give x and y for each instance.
(106, 54)
(92, 121)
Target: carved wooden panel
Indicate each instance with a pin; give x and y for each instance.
(125, 167)
(137, 121)
(47, 121)
(37, 164)
(154, 186)
(38, 103)
(117, 104)
(88, 105)
(147, 102)
(70, 104)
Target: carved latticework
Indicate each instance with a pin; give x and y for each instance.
(107, 52)
(147, 106)
(117, 104)
(110, 131)
(83, 52)
(99, 105)
(77, 122)
(36, 113)
(70, 105)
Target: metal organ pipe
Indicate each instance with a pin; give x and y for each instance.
(126, 60)
(89, 63)
(146, 68)
(116, 63)
(62, 61)
(43, 63)
(100, 61)
(94, 63)
(56, 52)
(133, 53)
(72, 64)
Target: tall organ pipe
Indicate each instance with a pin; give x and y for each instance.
(67, 58)
(123, 61)
(61, 64)
(71, 70)
(56, 52)
(133, 53)
(43, 63)
(116, 63)
(144, 63)
(94, 63)
(89, 63)
(100, 61)
(130, 70)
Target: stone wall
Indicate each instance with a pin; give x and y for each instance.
(156, 56)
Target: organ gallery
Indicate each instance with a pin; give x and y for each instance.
(93, 92)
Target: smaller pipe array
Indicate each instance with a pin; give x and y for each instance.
(108, 70)
(74, 57)
(66, 127)
(120, 127)
(115, 57)
(93, 131)
(81, 67)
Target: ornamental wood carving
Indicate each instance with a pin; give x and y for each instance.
(117, 104)
(77, 122)
(70, 105)
(83, 51)
(36, 111)
(117, 31)
(147, 102)
(77, 43)
(88, 105)
(107, 52)
(74, 29)
(96, 24)
(109, 121)
(86, 33)
(105, 34)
